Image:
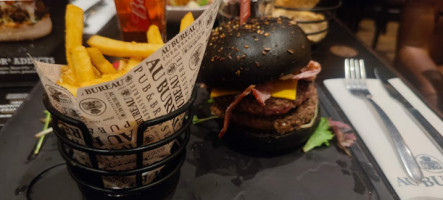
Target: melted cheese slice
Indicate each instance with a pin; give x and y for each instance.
(286, 89)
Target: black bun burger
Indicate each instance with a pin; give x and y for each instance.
(262, 82)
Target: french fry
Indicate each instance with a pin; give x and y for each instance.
(102, 79)
(127, 64)
(132, 62)
(122, 65)
(74, 30)
(71, 88)
(99, 61)
(88, 66)
(154, 36)
(97, 74)
(186, 21)
(118, 48)
(83, 68)
(67, 76)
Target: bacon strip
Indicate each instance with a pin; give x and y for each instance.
(308, 73)
(263, 91)
(231, 106)
(343, 139)
(340, 125)
(261, 94)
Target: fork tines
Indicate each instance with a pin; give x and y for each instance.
(355, 73)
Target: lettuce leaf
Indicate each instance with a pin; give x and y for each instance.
(321, 135)
(202, 2)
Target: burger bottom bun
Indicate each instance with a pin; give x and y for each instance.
(26, 32)
(257, 142)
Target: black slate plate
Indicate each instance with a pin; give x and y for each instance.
(211, 171)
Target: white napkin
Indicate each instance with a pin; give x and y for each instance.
(100, 17)
(84, 4)
(371, 130)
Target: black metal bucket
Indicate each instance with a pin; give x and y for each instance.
(89, 178)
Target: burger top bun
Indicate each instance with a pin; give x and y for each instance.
(258, 51)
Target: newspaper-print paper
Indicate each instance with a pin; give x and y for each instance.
(112, 111)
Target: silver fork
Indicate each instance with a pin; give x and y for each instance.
(355, 81)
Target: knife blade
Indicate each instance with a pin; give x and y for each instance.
(418, 118)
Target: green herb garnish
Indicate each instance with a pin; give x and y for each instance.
(202, 2)
(196, 120)
(41, 138)
(321, 135)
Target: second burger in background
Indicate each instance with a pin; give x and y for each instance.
(24, 20)
(262, 81)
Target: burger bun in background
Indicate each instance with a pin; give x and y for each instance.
(24, 20)
(314, 29)
(301, 4)
(26, 31)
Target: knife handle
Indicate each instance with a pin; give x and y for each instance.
(427, 127)
(403, 151)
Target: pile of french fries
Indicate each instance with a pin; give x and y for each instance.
(88, 66)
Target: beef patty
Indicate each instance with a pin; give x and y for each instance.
(250, 114)
(274, 106)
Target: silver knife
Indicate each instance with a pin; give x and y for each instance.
(418, 118)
